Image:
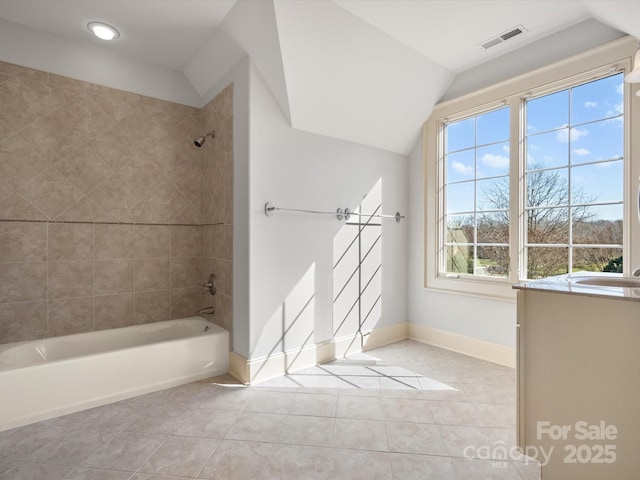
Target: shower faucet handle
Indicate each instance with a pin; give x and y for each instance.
(210, 286)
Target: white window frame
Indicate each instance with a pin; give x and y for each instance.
(602, 61)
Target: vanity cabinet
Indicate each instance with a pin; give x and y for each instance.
(578, 371)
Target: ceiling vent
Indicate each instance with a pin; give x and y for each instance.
(514, 32)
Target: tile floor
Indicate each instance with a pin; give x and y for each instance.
(401, 412)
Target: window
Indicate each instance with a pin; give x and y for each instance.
(574, 145)
(532, 178)
(476, 184)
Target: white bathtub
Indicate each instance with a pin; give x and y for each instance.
(42, 379)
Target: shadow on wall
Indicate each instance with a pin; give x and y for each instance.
(357, 289)
(357, 269)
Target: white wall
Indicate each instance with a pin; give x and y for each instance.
(481, 318)
(84, 61)
(291, 255)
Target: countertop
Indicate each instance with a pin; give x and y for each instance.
(572, 284)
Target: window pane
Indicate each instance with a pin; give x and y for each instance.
(459, 259)
(597, 141)
(493, 160)
(599, 182)
(459, 135)
(548, 226)
(459, 228)
(600, 224)
(460, 197)
(460, 166)
(548, 150)
(544, 262)
(596, 100)
(492, 261)
(547, 188)
(492, 126)
(597, 259)
(493, 227)
(548, 113)
(493, 194)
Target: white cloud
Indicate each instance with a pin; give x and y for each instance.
(506, 149)
(563, 135)
(495, 161)
(620, 88)
(581, 152)
(590, 104)
(462, 169)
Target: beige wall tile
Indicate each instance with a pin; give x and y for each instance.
(114, 276)
(70, 279)
(22, 321)
(68, 241)
(152, 307)
(69, 316)
(114, 311)
(217, 246)
(23, 282)
(51, 193)
(20, 105)
(19, 163)
(184, 302)
(114, 241)
(16, 207)
(141, 168)
(114, 197)
(185, 241)
(23, 242)
(152, 274)
(185, 272)
(84, 168)
(152, 241)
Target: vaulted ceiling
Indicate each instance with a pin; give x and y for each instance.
(367, 71)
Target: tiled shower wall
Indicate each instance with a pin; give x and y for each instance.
(217, 206)
(101, 208)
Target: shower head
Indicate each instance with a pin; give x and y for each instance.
(198, 142)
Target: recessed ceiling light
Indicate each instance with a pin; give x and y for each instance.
(103, 31)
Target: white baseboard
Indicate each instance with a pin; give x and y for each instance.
(256, 370)
(474, 347)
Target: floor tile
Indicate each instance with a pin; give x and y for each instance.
(407, 410)
(359, 465)
(497, 415)
(94, 474)
(37, 471)
(360, 434)
(127, 451)
(422, 467)
(456, 413)
(463, 441)
(270, 402)
(295, 462)
(208, 423)
(486, 470)
(303, 430)
(180, 456)
(408, 437)
(21, 443)
(360, 407)
(229, 398)
(73, 448)
(314, 404)
(257, 427)
(237, 460)
(162, 419)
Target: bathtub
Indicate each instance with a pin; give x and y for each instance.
(42, 379)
